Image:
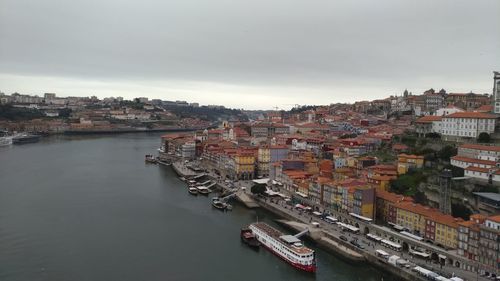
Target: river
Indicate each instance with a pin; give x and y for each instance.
(89, 208)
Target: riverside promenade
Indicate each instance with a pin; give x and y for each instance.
(329, 236)
(333, 232)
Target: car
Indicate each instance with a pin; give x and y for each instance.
(342, 237)
(316, 224)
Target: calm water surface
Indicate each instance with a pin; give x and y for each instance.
(88, 208)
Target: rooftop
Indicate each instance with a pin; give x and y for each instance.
(481, 147)
(468, 114)
(488, 195)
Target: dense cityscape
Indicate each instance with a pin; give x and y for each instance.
(415, 174)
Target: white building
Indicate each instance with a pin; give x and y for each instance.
(450, 109)
(496, 90)
(188, 150)
(467, 124)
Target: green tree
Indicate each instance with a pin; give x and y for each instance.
(258, 188)
(420, 198)
(433, 135)
(447, 152)
(461, 211)
(407, 184)
(484, 137)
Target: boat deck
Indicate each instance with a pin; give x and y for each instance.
(276, 234)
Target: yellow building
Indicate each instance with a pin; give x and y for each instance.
(244, 164)
(407, 162)
(429, 223)
(263, 161)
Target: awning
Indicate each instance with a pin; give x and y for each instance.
(301, 194)
(261, 181)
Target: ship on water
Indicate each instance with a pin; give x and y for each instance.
(25, 138)
(288, 247)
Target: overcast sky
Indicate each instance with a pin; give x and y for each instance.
(248, 54)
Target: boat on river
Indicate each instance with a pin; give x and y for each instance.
(150, 159)
(248, 238)
(193, 191)
(25, 138)
(203, 190)
(219, 205)
(287, 247)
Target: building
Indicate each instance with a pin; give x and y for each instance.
(264, 159)
(265, 130)
(427, 124)
(467, 125)
(479, 151)
(244, 162)
(450, 109)
(489, 244)
(407, 162)
(467, 101)
(468, 237)
(496, 91)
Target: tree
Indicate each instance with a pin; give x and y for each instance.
(407, 184)
(348, 136)
(484, 137)
(258, 188)
(447, 152)
(420, 197)
(433, 135)
(461, 211)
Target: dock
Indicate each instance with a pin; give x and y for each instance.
(246, 200)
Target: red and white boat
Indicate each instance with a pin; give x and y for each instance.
(287, 247)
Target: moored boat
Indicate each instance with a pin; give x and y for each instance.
(288, 247)
(150, 159)
(193, 191)
(5, 139)
(219, 205)
(25, 138)
(203, 190)
(248, 238)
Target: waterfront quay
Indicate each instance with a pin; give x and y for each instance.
(335, 239)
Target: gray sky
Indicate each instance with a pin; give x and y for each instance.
(248, 54)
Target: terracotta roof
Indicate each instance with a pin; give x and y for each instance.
(477, 169)
(481, 147)
(495, 218)
(468, 114)
(473, 160)
(429, 119)
(484, 108)
(389, 196)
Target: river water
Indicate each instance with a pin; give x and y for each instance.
(89, 208)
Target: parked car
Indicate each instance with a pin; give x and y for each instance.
(342, 237)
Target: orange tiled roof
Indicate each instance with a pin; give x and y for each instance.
(428, 119)
(481, 147)
(495, 218)
(477, 169)
(389, 196)
(473, 160)
(485, 108)
(468, 114)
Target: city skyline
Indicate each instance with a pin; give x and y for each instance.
(220, 53)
